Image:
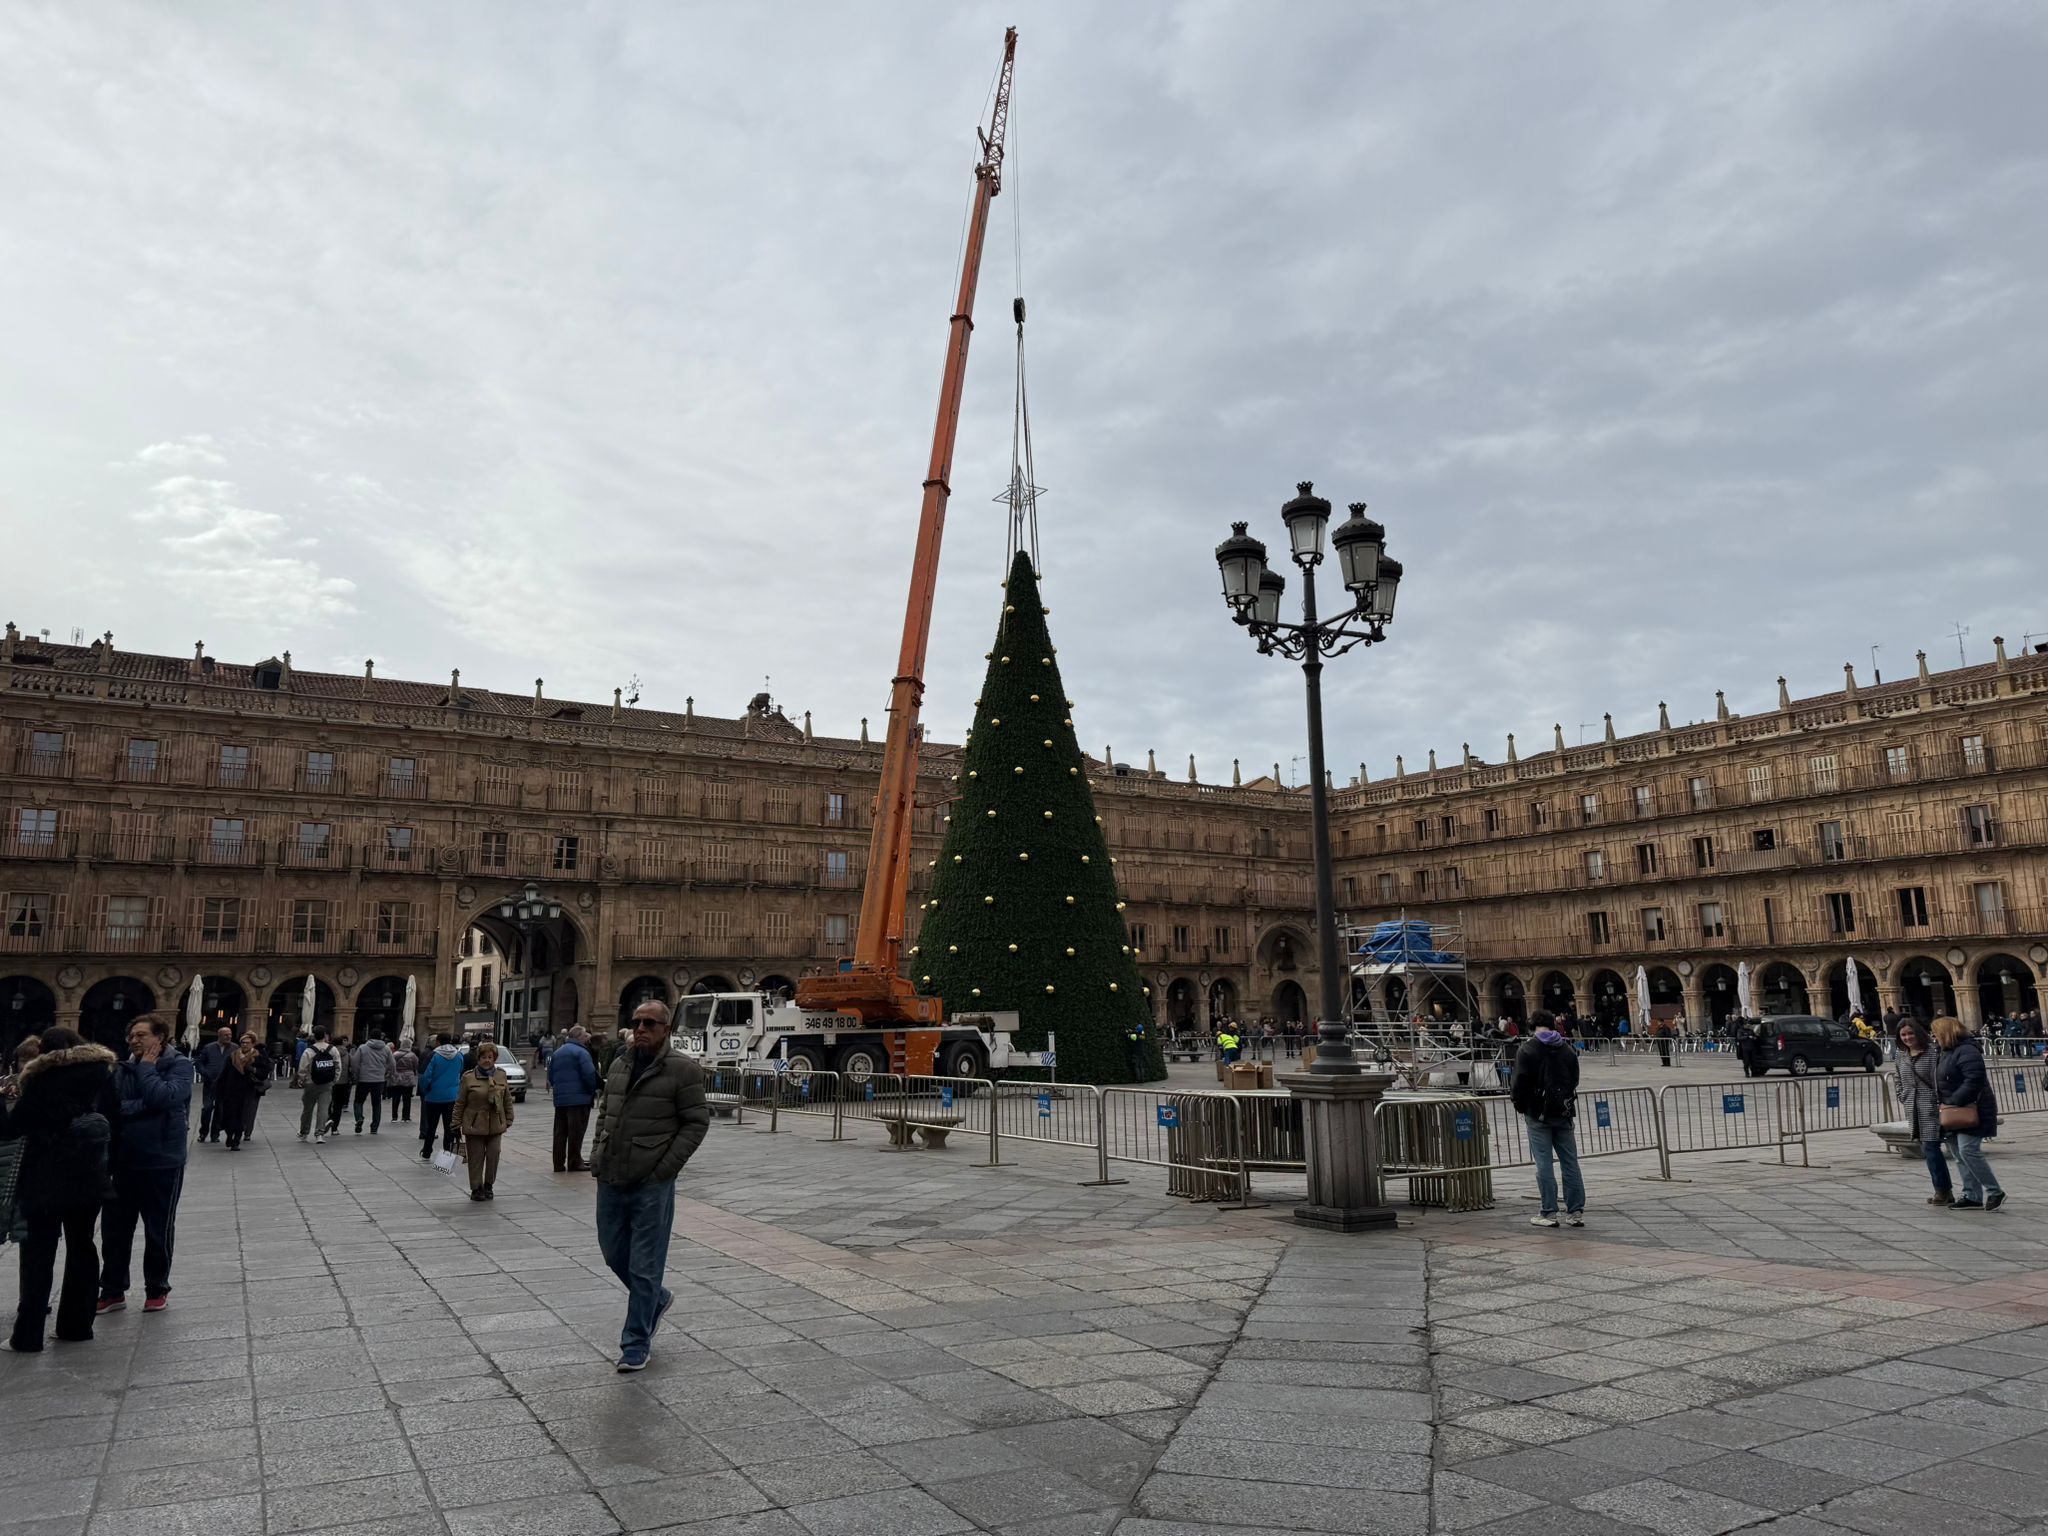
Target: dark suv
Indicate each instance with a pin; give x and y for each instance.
(1799, 1043)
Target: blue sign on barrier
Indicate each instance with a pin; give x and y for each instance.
(1461, 1125)
(1045, 1106)
(871, 1093)
(1603, 1116)
(1731, 1103)
(946, 1096)
(2019, 1083)
(1169, 1116)
(1834, 1097)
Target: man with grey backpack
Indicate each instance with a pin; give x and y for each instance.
(319, 1073)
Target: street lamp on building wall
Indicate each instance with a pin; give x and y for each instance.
(1253, 592)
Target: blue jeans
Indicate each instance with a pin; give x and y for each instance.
(1978, 1179)
(632, 1231)
(1937, 1167)
(1559, 1137)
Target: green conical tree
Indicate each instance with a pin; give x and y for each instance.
(1023, 911)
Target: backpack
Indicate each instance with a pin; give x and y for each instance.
(1543, 1093)
(324, 1067)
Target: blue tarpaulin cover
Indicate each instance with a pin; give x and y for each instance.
(1403, 943)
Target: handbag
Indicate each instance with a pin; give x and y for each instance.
(446, 1161)
(1959, 1117)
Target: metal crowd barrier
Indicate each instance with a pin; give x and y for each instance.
(1199, 1138)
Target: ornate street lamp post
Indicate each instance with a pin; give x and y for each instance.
(528, 911)
(1253, 593)
(1337, 1095)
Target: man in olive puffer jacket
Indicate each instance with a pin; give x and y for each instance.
(651, 1117)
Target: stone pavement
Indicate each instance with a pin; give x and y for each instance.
(871, 1341)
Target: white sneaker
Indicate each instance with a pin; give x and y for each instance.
(1542, 1221)
(321, 1141)
(1576, 1219)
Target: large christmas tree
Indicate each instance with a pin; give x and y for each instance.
(1023, 911)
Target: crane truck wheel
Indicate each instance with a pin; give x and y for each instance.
(963, 1060)
(858, 1061)
(804, 1060)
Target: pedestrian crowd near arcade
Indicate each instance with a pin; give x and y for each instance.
(94, 1145)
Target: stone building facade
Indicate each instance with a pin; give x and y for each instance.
(1900, 827)
(257, 826)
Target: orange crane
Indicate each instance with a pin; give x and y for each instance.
(871, 985)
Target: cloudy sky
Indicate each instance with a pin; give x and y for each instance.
(1678, 346)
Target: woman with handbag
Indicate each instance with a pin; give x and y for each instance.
(243, 1082)
(1969, 1113)
(483, 1113)
(1916, 1084)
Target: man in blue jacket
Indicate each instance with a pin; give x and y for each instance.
(440, 1082)
(154, 1086)
(572, 1081)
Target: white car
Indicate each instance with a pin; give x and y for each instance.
(515, 1075)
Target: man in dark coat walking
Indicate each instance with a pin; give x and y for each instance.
(653, 1115)
(154, 1087)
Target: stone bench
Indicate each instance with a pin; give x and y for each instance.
(1185, 1053)
(928, 1123)
(724, 1106)
(1897, 1135)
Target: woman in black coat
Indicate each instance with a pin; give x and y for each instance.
(66, 1113)
(240, 1091)
(1965, 1082)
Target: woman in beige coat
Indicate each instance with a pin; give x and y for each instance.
(483, 1113)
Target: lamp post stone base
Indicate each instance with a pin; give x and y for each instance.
(1342, 1149)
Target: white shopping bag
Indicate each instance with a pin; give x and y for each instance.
(446, 1161)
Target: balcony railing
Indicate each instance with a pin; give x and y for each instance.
(134, 848)
(229, 852)
(234, 775)
(142, 770)
(32, 764)
(37, 845)
(403, 786)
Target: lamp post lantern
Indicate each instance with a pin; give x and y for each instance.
(1337, 1094)
(1253, 592)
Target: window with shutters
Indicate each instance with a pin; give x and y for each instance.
(1824, 773)
(835, 808)
(28, 914)
(1421, 882)
(1989, 898)
(1539, 815)
(1759, 775)
(1589, 809)
(401, 775)
(1701, 788)
(781, 802)
(835, 866)
(309, 922)
(1834, 846)
(1903, 823)
(1448, 827)
(1137, 932)
(143, 756)
(1349, 888)
(220, 919)
(394, 922)
(1225, 941)
(224, 836)
(1841, 907)
(134, 832)
(319, 770)
(717, 926)
(781, 861)
(1646, 858)
(650, 922)
(1596, 928)
(1980, 827)
(1596, 864)
(1703, 853)
(1645, 802)
(316, 842)
(1493, 818)
(127, 917)
(837, 928)
(1898, 762)
(1386, 887)
(722, 801)
(1975, 758)
(1653, 925)
(1180, 936)
(494, 784)
(493, 850)
(231, 767)
(1912, 906)
(1711, 924)
(45, 751)
(776, 926)
(566, 851)
(398, 845)
(35, 827)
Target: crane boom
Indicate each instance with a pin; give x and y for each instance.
(872, 986)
